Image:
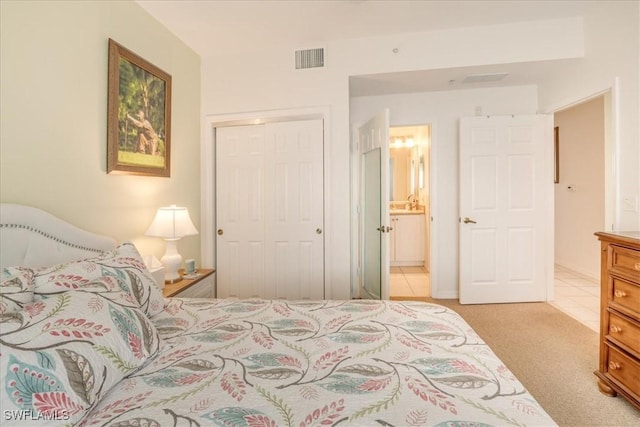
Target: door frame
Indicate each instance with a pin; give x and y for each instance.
(208, 174)
(611, 144)
(611, 159)
(356, 264)
(610, 156)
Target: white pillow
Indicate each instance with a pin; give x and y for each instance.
(68, 352)
(120, 274)
(16, 289)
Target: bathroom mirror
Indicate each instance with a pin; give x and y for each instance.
(409, 163)
(403, 172)
(421, 173)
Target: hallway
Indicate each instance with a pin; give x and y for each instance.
(578, 296)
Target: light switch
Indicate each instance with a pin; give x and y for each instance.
(630, 203)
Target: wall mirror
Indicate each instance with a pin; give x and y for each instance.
(402, 173)
(409, 163)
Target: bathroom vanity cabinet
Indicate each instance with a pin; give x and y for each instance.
(407, 239)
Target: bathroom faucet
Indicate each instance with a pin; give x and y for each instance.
(414, 201)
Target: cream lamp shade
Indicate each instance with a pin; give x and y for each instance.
(171, 223)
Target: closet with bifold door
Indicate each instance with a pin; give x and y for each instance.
(270, 210)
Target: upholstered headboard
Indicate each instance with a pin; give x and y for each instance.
(34, 238)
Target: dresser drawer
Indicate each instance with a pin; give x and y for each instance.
(625, 261)
(624, 332)
(625, 296)
(624, 369)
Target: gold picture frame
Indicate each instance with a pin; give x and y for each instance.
(138, 115)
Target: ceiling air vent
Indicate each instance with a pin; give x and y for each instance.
(481, 78)
(309, 58)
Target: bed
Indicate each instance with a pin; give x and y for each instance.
(87, 339)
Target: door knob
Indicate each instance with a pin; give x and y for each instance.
(318, 230)
(220, 232)
(468, 220)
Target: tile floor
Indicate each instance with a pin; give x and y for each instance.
(574, 294)
(409, 282)
(578, 296)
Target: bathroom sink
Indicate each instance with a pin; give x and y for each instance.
(405, 211)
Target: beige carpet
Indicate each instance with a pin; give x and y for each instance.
(554, 356)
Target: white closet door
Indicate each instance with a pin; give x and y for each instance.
(240, 247)
(294, 213)
(270, 202)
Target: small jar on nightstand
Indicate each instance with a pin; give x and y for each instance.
(198, 285)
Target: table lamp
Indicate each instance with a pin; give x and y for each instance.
(171, 223)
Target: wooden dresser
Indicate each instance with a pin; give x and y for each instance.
(619, 367)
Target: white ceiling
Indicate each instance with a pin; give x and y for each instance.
(518, 74)
(218, 27)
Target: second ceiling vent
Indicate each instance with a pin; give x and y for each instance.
(483, 78)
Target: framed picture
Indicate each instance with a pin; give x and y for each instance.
(139, 115)
(556, 155)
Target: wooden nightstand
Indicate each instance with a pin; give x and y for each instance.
(200, 287)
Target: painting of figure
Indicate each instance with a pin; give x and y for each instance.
(139, 117)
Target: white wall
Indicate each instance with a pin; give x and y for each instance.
(442, 111)
(266, 80)
(53, 148)
(579, 210)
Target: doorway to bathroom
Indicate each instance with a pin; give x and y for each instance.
(410, 207)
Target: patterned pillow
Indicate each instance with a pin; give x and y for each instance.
(16, 289)
(120, 274)
(68, 352)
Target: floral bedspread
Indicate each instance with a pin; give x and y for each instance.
(347, 363)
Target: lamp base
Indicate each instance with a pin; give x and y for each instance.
(172, 261)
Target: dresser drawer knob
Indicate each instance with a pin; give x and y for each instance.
(615, 329)
(620, 294)
(637, 266)
(613, 366)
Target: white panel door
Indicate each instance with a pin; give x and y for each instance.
(503, 209)
(294, 260)
(240, 211)
(269, 210)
